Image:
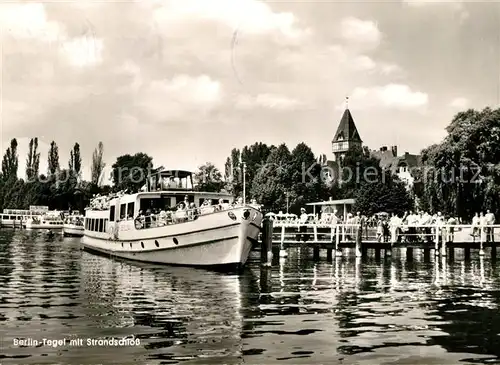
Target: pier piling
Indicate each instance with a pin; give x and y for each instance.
(316, 254)
(482, 239)
(427, 254)
(436, 241)
(409, 254)
(329, 255)
(338, 252)
(266, 253)
(467, 253)
(359, 251)
(443, 242)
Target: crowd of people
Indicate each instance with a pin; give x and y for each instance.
(409, 227)
(183, 212)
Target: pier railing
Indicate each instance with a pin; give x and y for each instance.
(431, 235)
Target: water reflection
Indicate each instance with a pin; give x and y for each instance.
(405, 309)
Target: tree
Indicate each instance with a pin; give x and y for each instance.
(131, 172)
(254, 157)
(208, 178)
(358, 166)
(273, 180)
(387, 194)
(462, 173)
(33, 160)
(53, 159)
(98, 164)
(10, 162)
(305, 174)
(75, 160)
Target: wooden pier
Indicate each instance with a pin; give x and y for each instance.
(340, 239)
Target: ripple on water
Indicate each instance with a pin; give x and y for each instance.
(299, 311)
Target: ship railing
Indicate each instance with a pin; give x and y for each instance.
(180, 216)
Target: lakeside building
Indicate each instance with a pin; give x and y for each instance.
(347, 136)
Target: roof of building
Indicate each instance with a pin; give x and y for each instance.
(334, 202)
(347, 129)
(389, 160)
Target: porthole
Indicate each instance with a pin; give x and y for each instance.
(231, 215)
(157, 244)
(130, 244)
(246, 214)
(122, 244)
(142, 244)
(176, 241)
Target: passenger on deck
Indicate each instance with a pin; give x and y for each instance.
(147, 218)
(181, 213)
(192, 212)
(139, 221)
(162, 218)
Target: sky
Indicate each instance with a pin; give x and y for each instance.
(185, 81)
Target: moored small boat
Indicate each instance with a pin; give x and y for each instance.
(16, 218)
(73, 226)
(50, 220)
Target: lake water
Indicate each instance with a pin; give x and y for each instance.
(301, 311)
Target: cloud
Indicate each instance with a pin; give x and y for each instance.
(361, 32)
(459, 103)
(354, 61)
(83, 51)
(458, 6)
(270, 101)
(29, 21)
(395, 96)
(182, 98)
(250, 16)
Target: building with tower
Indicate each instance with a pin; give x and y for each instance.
(346, 137)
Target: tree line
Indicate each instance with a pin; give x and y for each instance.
(284, 180)
(459, 176)
(62, 187)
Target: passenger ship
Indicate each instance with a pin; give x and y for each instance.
(173, 225)
(18, 217)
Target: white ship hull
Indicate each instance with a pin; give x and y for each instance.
(11, 223)
(31, 225)
(73, 230)
(211, 240)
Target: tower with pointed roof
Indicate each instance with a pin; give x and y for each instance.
(346, 137)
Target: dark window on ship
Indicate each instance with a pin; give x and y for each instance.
(100, 225)
(123, 210)
(112, 213)
(105, 225)
(93, 224)
(130, 210)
